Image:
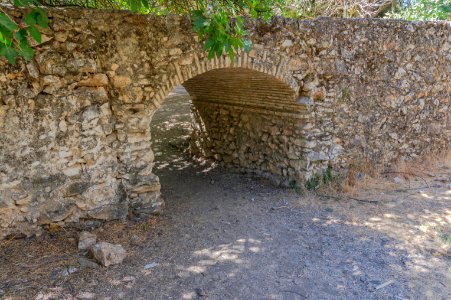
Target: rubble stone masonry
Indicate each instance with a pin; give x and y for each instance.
(75, 140)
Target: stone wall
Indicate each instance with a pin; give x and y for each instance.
(75, 121)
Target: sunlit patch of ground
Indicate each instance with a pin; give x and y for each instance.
(415, 211)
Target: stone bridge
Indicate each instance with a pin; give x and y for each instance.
(74, 122)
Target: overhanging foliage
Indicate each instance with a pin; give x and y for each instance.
(212, 20)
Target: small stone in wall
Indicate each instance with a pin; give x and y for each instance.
(86, 240)
(23, 200)
(305, 101)
(108, 254)
(121, 81)
(175, 51)
(61, 36)
(360, 176)
(397, 180)
(318, 94)
(95, 81)
(186, 60)
(287, 43)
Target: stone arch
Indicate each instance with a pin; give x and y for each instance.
(255, 125)
(191, 65)
(135, 154)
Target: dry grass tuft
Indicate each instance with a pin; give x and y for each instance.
(364, 176)
(425, 165)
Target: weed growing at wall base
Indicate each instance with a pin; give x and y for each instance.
(316, 181)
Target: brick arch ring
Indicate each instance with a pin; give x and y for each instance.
(193, 64)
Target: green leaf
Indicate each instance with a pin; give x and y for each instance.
(9, 53)
(237, 43)
(247, 45)
(199, 24)
(227, 46)
(25, 3)
(26, 51)
(6, 22)
(211, 53)
(208, 44)
(30, 19)
(19, 3)
(135, 5)
(34, 32)
(219, 49)
(145, 4)
(21, 35)
(199, 20)
(42, 18)
(231, 54)
(7, 35)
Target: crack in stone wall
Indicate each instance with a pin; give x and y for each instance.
(75, 121)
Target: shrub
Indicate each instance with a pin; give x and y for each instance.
(422, 10)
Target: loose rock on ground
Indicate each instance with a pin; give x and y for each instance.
(108, 254)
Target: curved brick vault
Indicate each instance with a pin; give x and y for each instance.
(249, 120)
(75, 122)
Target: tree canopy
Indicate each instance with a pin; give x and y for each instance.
(219, 23)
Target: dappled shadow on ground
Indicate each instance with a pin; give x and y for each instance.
(171, 130)
(229, 236)
(419, 223)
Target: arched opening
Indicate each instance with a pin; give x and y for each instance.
(241, 118)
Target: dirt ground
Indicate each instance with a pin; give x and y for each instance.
(229, 236)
